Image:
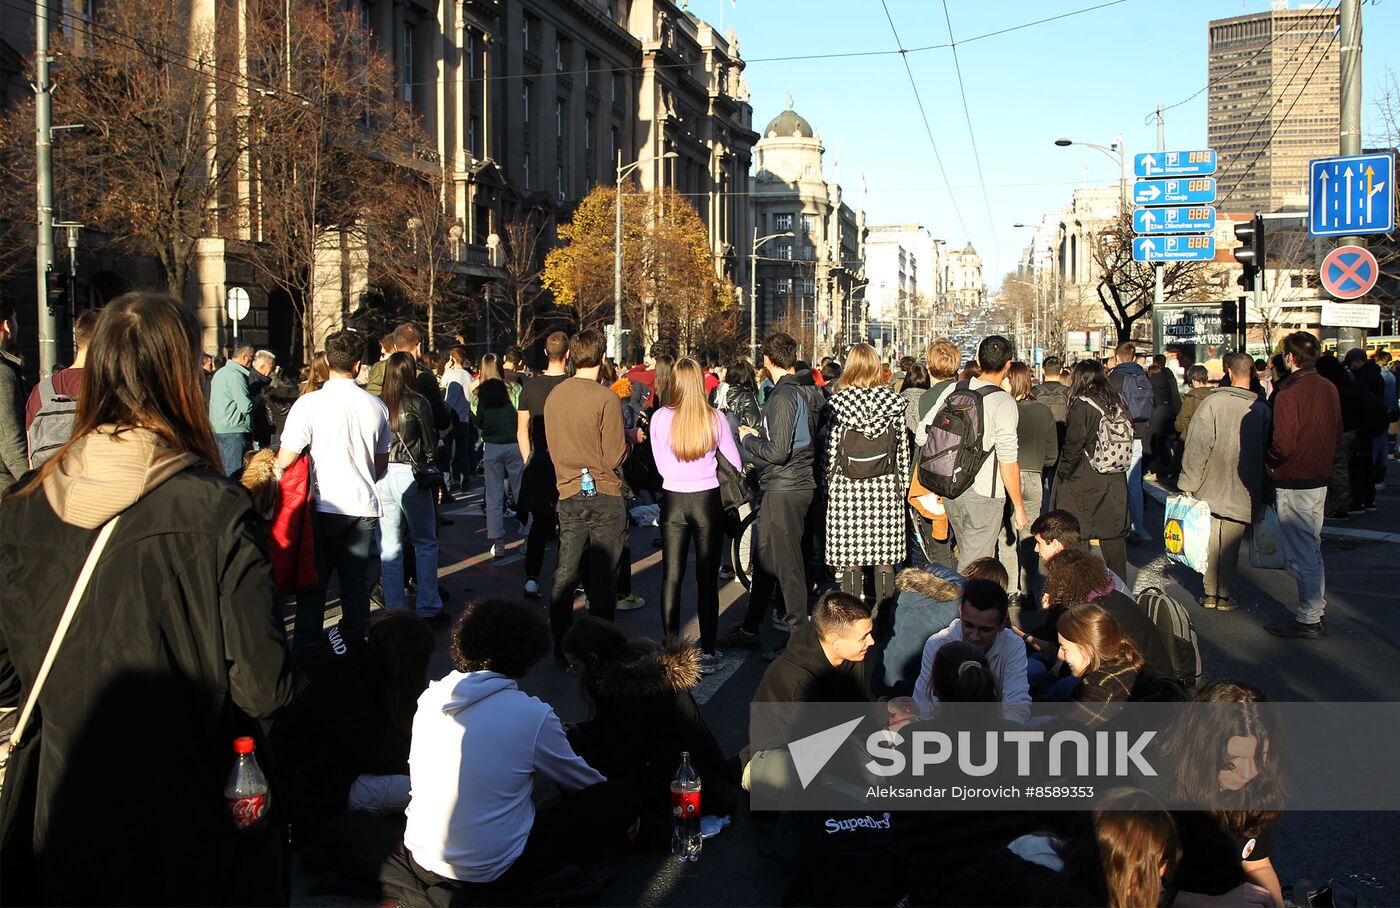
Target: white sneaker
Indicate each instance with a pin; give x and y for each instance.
(711, 662)
(532, 589)
(496, 551)
(630, 603)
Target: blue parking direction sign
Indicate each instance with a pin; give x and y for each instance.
(1200, 219)
(1352, 195)
(1195, 191)
(1175, 163)
(1174, 248)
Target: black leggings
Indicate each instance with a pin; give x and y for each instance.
(542, 528)
(687, 516)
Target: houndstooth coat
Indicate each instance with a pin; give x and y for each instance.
(865, 518)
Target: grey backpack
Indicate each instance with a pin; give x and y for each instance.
(52, 425)
(1113, 445)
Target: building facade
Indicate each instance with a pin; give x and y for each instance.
(907, 295)
(810, 283)
(1274, 102)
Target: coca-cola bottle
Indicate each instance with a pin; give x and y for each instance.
(246, 793)
(685, 812)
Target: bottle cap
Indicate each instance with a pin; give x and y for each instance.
(243, 745)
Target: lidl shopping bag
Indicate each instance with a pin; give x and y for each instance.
(1266, 542)
(1186, 531)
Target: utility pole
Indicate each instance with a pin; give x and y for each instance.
(753, 300)
(1350, 137)
(43, 159)
(1157, 268)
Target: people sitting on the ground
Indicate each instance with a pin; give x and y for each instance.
(1101, 657)
(981, 621)
(1126, 856)
(642, 716)
(343, 746)
(1077, 577)
(987, 568)
(937, 846)
(1056, 531)
(823, 662)
(927, 600)
(1223, 752)
(479, 744)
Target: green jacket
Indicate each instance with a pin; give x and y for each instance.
(1188, 407)
(230, 404)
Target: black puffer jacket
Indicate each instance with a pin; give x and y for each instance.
(644, 717)
(784, 466)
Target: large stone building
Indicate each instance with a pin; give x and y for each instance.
(907, 296)
(526, 105)
(812, 282)
(1274, 102)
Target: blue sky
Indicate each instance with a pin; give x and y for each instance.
(1087, 77)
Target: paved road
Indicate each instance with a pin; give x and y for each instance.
(1357, 662)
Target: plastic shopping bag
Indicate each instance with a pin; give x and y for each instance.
(1186, 531)
(1266, 542)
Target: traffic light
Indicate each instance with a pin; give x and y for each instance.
(55, 289)
(1230, 318)
(1250, 252)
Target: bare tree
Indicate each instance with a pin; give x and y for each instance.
(1125, 287)
(414, 243)
(327, 135)
(524, 242)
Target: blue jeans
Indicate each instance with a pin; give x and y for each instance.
(405, 505)
(1135, 489)
(1300, 517)
(231, 447)
(345, 547)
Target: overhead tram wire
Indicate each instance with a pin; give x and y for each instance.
(971, 133)
(923, 114)
(1237, 67)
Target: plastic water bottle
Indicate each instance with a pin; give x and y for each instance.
(685, 812)
(587, 487)
(246, 792)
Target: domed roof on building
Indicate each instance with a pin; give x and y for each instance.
(787, 124)
(968, 250)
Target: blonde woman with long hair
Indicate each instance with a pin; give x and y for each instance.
(687, 437)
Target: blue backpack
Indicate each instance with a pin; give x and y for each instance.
(1137, 396)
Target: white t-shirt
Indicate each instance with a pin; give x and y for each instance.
(1006, 659)
(457, 389)
(346, 427)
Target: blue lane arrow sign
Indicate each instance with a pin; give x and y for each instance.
(1175, 163)
(1173, 220)
(1174, 249)
(1352, 195)
(1198, 191)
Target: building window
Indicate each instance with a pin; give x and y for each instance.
(559, 56)
(525, 167)
(808, 223)
(1295, 281)
(782, 222)
(528, 29)
(783, 251)
(471, 55)
(616, 87)
(559, 117)
(809, 287)
(525, 102)
(406, 63)
(616, 145)
(559, 181)
(472, 127)
(590, 63)
(588, 132)
(784, 286)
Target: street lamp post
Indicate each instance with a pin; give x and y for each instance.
(1115, 153)
(753, 289)
(617, 245)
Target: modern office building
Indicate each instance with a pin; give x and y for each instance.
(1274, 102)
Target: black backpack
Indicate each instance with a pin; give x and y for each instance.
(1178, 632)
(859, 456)
(953, 453)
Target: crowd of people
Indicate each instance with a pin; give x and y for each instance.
(928, 532)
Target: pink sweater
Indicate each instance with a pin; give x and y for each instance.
(697, 475)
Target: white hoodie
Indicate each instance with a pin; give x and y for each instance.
(478, 741)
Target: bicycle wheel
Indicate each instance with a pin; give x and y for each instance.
(741, 555)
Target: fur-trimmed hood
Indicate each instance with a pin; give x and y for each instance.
(651, 668)
(923, 583)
